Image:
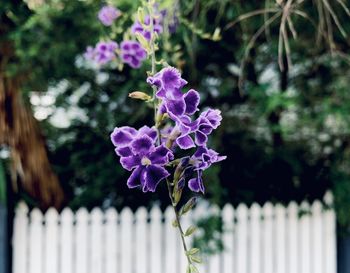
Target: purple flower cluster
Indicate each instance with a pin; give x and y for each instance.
(103, 52)
(138, 150)
(132, 53)
(138, 153)
(108, 14)
(187, 132)
(137, 27)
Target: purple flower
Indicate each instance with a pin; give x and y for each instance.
(108, 14)
(103, 53)
(89, 53)
(201, 127)
(139, 154)
(203, 158)
(169, 84)
(132, 53)
(171, 18)
(157, 27)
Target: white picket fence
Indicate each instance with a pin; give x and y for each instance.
(268, 239)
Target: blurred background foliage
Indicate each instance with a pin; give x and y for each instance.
(285, 132)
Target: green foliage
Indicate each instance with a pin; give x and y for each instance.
(209, 233)
(286, 133)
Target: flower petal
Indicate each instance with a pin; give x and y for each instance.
(136, 178)
(196, 184)
(123, 136)
(200, 138)
(153, 175)
(185, 142)
(176, 106)
(192, 101)
(161, 155)
(123, 151)
(142, 145)
(151, 132)
(130, 162)
(213, 116)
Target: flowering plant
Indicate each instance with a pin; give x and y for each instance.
(151, 153)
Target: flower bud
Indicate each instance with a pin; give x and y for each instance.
(139, 95)
(189, 205)
(181, 167)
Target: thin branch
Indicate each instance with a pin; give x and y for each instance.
(250, 14)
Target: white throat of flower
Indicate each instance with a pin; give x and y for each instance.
(145, 161)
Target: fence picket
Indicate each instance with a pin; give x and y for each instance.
(330, 249)
(51, 241)
(96, 253)
(242, 239)
(316, 239)
(215, 259)
(36, 242)
(156, 242)
(255, 242)
(228, 239)
(81, 241)
(66, 241)
(280, 224)
(171, 250)
(200, 212)
(292, 235)
(141, 240)
(111, 241)
(20, 239)
(267, 241)
(305, 241)
(264, 239)
(126, 236)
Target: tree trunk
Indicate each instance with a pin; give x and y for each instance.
(31, 169)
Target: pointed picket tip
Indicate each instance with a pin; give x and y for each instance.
(316, 206)
(201, 209)
(280, 210)
(169, 214)
(126, 214)
(305, 205)
(111, 214)
(228, 212)
(242, 211)
(141, 214)
(255, 210)
(268, 209)
(214, 210)
(82, 215)
(156, 213)
(293, 209)
(329, 198)
(36, 215)
(22, 208)
(292, 206)
(51, 215)
(67, 215)
(96, 215)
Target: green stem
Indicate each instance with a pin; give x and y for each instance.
(178, 222)
(153, 72)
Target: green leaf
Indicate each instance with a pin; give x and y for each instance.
(177, 196)
(175, 223)
(193, 269)
(188, 206)
(195, 259)
(192, 251)
(142, 41)
(190, 230)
